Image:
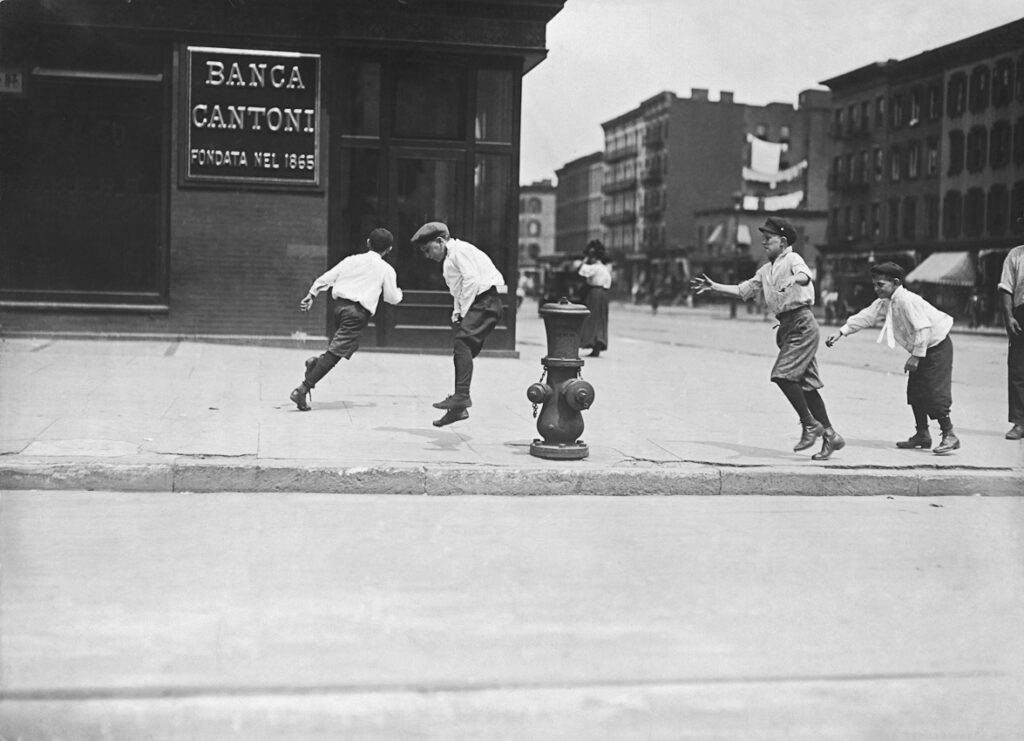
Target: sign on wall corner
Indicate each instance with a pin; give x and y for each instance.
(253, 117)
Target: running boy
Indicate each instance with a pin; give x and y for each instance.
(923, 331)
(784, 284)
(473, 282)
(357, 284)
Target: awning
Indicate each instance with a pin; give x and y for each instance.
(743, 234)
(945, 268)
(716, 234)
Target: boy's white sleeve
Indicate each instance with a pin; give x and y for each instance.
(325, 280)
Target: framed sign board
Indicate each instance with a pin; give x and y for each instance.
(253, 117)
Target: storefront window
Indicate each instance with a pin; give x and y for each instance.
(430, 101)
(359, 99)
(80, 197)
(357, 194)
(427, 190)
(492, 186)
(494, 105)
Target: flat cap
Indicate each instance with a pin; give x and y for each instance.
(430, 230)
(780, 226)
(890, 270)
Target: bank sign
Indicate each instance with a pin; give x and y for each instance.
(253, 117)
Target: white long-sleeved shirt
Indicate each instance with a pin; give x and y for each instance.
(363, 278)
(916, 324)
(773, 283)
(597, 274)
(1012, 278)
(468, 271)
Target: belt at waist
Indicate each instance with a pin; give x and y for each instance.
(350, 302)
(792, 312)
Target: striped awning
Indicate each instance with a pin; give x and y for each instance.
(945, 268)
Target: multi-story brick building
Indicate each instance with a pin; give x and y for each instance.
(537, 214)
(674, 166)
(928, 168)
(579, 203)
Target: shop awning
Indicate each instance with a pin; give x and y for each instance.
(945, 268)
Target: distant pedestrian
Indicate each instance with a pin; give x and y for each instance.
(357, 284)
(1011, 291)
(923, 331)
(784, 284)
(594, 333)
(473, 281)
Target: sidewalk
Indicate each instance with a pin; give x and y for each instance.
(164, 415)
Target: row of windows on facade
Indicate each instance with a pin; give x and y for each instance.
(626, 203)
(997, 86)
(972, 151)
(974, 213)
(623, 142)
(625, 237)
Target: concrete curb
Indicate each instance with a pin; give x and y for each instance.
(219, 475)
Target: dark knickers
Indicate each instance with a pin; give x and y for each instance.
(929, 387)
(480, 320)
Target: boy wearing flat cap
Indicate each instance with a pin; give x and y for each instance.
(784, 284)
(474, 283)
(923, 331)
(357, 284)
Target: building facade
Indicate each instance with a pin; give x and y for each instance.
(537, 225)
(579, 203)
(191, 170)
(928, 169)
(677, 169)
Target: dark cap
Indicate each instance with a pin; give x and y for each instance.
(780, 226)
(890, 270)
(430, 230)
(381, 239)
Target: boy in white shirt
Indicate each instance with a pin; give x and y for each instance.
(357, 284)
(473, 282)
(923, 331)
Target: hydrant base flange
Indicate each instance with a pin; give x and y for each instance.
(553, 451)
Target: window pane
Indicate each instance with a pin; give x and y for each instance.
(359, 98)
(427, 191)
(357, 194)
(494, 105)
(492, 186)
(80, 200)
(430, 101)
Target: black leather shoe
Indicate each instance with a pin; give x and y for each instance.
(454, 401)
(810, 435)
(917, 440)
(452, 415)
(1016, 433)
(299, 397)
(948, 444)
(830, 442)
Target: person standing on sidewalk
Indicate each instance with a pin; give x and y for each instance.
(594, 333)
(357, 284)
(923, 331)
(473, 282)
(784, 285)
(1011, 293)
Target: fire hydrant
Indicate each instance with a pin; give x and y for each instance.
(565, 394)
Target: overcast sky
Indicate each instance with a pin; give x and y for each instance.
(606, 56)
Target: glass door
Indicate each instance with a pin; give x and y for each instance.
(425, 184)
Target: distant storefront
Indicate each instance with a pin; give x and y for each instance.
(189, 169)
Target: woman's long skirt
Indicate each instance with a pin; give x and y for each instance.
(595, 327)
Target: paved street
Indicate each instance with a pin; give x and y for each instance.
(297, 616)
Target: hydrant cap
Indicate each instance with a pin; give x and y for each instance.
(564, 307)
